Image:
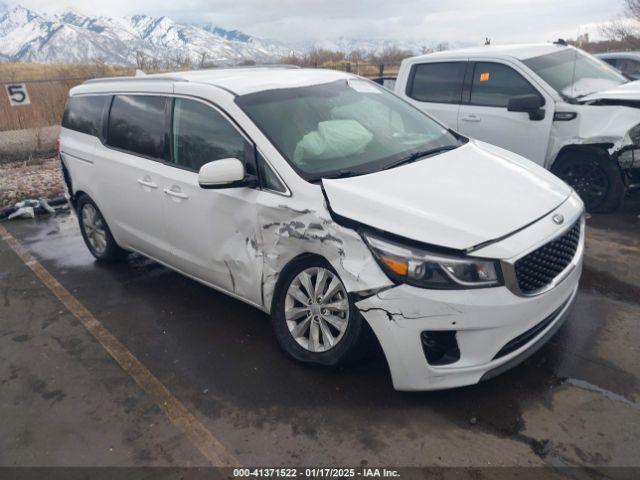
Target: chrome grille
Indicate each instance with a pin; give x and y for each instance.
(537, 269)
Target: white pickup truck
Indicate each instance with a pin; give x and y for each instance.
(551, 103)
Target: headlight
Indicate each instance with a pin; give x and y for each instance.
(408, 264)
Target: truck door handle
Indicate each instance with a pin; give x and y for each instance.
(146, 182)
(175, 192)
(470, 118)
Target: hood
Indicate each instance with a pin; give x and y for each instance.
(626, 91)
(457, 199)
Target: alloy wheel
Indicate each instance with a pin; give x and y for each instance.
(94, 228)
(588, 180)
(316, 309)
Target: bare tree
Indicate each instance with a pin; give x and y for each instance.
(141, 60)
(442, 46)
(625, 30)
(203, 60)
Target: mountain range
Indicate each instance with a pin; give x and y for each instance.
(72, 37)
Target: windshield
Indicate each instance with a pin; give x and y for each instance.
(574, 73)
(343, 128)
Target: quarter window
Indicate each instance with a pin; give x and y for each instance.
(437, 82)
(201, 135)
(84, 114)
(493, 84)
(137, 124)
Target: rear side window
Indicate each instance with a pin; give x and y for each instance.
(493, 84)
(137, 124)
(437, 82)
(84, 114)
(201, 135)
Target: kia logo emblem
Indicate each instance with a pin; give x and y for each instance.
(557, 219)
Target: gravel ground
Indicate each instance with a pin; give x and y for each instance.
(22, 180)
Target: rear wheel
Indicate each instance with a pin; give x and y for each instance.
(96, 233)
(314, 320)
(594, 176)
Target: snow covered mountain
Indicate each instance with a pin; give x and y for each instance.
(71, 37)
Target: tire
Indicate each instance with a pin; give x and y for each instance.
(96, 233)
(594, 176)
(348, 342)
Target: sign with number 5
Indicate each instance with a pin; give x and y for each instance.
(17, 93)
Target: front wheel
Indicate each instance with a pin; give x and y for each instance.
(314, 320)
(594, 176)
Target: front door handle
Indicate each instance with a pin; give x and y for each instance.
(470, 118)
(146, 182)
(175, 192)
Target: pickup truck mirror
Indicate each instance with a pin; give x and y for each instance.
(530, 103)
(225, 173)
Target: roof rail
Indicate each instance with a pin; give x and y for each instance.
(239, 67)
(128, 78)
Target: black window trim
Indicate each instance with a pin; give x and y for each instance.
(169, 131)
(412, 74)
(468, 84)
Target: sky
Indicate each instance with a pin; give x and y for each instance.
(464, 21)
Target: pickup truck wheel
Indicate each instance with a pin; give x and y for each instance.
(314, 320)
(594, 176)
(96, 233)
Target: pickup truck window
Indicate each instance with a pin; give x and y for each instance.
(436, 82)
(494, 83)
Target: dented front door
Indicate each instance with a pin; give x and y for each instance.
(213, 234)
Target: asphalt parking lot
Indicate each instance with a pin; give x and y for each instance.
(65, 401)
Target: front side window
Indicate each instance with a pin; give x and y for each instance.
(437, 82)
(137, 124)
(84, 114)
(201, 135)
(494, 83)
(574, 74)
(343, 128)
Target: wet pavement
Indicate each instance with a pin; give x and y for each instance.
(575, 402)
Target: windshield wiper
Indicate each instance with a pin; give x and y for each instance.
(342, 174)
(420, 154)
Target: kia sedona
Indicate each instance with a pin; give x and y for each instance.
(333, 205)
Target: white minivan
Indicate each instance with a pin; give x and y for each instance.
(551, 103)
(336, 207)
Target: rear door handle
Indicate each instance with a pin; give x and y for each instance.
(471, 118)
(147, 182)
(175, 192)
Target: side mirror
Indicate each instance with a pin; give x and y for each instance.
(225, 173)
(530, 103)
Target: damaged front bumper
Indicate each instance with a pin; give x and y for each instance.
(485, 323)
(437, 339)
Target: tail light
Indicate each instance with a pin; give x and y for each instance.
(58, 146)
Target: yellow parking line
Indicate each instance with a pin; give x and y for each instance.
(179, 415)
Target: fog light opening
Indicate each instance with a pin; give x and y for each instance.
(440, 347)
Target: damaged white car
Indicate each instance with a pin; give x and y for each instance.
(551, 103)
(334, 206)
